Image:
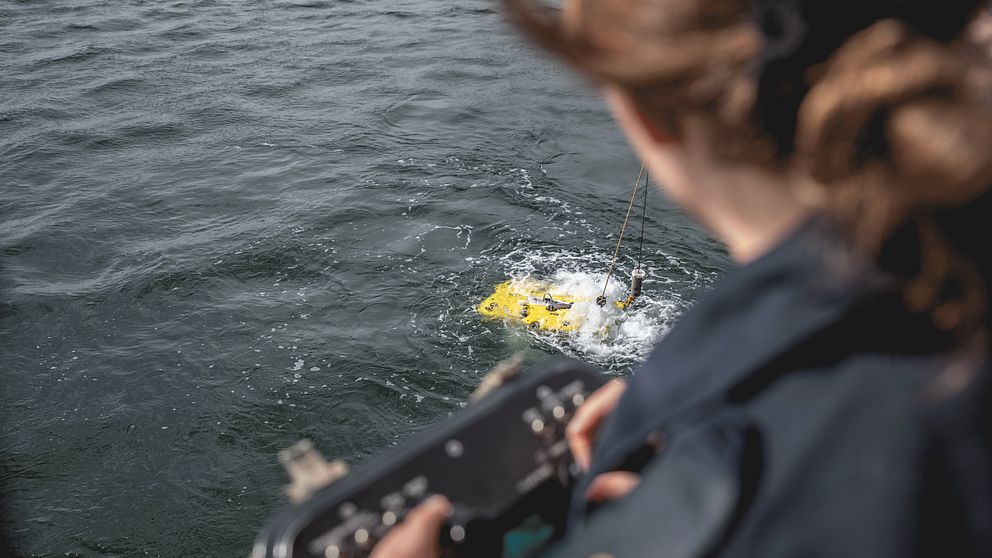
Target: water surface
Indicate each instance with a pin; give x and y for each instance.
(229, 225)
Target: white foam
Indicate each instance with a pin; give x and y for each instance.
(609, 336)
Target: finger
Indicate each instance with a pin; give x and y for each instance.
(610, 486)
(591, 413)
(581, 431)
(417, 536)
(580, 445)
(430, 515)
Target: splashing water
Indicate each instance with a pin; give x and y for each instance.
(609, 336)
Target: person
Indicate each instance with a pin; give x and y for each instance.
(831, 395)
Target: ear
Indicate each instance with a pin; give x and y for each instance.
(632, 117)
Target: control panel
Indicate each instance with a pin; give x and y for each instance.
(502, 461)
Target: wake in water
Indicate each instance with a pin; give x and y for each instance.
(545, 240)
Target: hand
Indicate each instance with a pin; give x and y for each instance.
(417, 536)
(581, 432)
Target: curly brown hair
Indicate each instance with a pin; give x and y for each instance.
(893, 128)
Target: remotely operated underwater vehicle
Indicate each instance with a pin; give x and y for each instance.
(548, 307)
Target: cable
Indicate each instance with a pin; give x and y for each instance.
(601, 299)
(644, 212)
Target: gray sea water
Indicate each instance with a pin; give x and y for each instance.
(226, 225)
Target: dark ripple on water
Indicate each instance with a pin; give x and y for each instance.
(227, 225)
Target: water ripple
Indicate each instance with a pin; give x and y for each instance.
(228, 225)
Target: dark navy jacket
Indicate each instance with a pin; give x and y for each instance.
(798, 410)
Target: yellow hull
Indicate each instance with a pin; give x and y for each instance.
(524, 301)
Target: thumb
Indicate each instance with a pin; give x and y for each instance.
(611, 486)
(430, 515)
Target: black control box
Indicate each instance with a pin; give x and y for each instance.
(503, 461)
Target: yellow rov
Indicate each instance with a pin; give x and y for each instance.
(538, 305)
(531, 303)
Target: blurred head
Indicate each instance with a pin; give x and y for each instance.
(875, 113)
